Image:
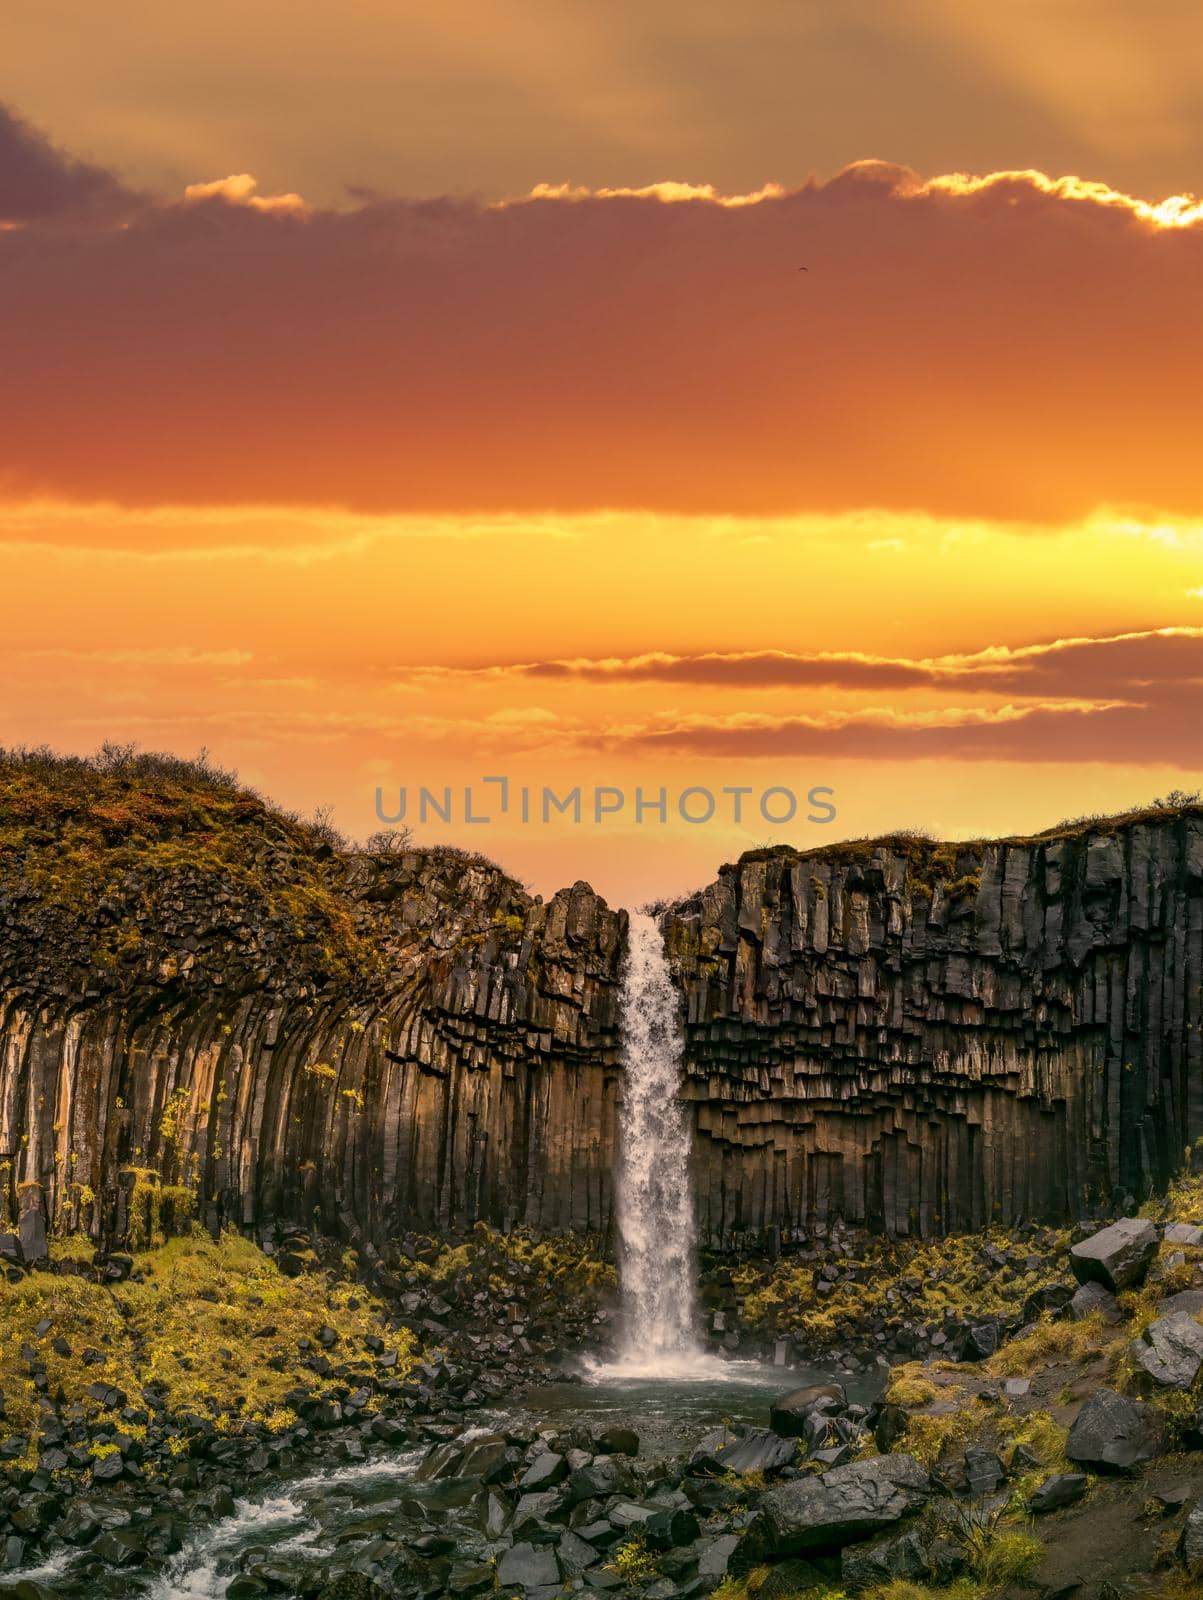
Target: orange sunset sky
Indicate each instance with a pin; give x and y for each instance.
(398, 394)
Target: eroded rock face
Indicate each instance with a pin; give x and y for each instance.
(928, 1038)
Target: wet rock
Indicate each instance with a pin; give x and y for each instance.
(664, 1530)
(787, 1416)
(545, 1470)
(617, 1441)
(1113, 1432)
(351, 1586)
(1169, 1352)
(742, 1450)
(817, 1515)
(120, 1547)
(1061, 1489)
(1118, 1257)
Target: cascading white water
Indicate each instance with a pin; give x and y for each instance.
(655, 1198)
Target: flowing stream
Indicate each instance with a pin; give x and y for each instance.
(655, 1198)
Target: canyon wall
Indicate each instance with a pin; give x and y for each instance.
(225, 1017)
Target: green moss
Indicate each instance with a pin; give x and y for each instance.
(108, 844)
(185, 1325)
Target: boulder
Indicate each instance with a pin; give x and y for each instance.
(606, 1475)
(1188, 1300)
(983, 1471)
(714, 1556)
(822, 1515)
(528, 1566)
(742, 1450)
(1186, 1233)
(1169, 1352)
(1118, 1257)
(617, 1441)
(864, 1566)
(545, 1470)
(1112, 1432)
(787, 1416)
(757, 1450)
(534, 1511)
(576, 1555)
(667, 1529)
(1092, 1298)
(470, 1577)
(1062, 1489)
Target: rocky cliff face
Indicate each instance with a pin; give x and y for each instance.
(212, 1012)
(926, 1037)
(206, 1009)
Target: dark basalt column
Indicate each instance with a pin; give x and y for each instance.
(478, 1081)
(926, 1038)
(912, 1036)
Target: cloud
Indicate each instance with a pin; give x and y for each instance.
(239, 190)
(40, 183)
(1005, 347)
(1121, 664)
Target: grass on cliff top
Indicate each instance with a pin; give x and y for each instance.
(215, 1322)
(124, 831)
(925, 851)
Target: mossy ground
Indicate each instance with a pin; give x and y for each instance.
(573, 1263)
(214, 1323)
(941, 1277)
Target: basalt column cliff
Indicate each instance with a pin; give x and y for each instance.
(931, 1037)
(208, 1010)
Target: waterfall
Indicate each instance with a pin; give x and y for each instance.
(655, 1197)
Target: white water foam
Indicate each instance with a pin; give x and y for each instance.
(655, 1197)
(279, 1520)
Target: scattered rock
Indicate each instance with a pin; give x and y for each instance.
(1112, 1432)
(1061, 1489)
(817, 1515)
(1170, 1351)
(1118, 1257)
